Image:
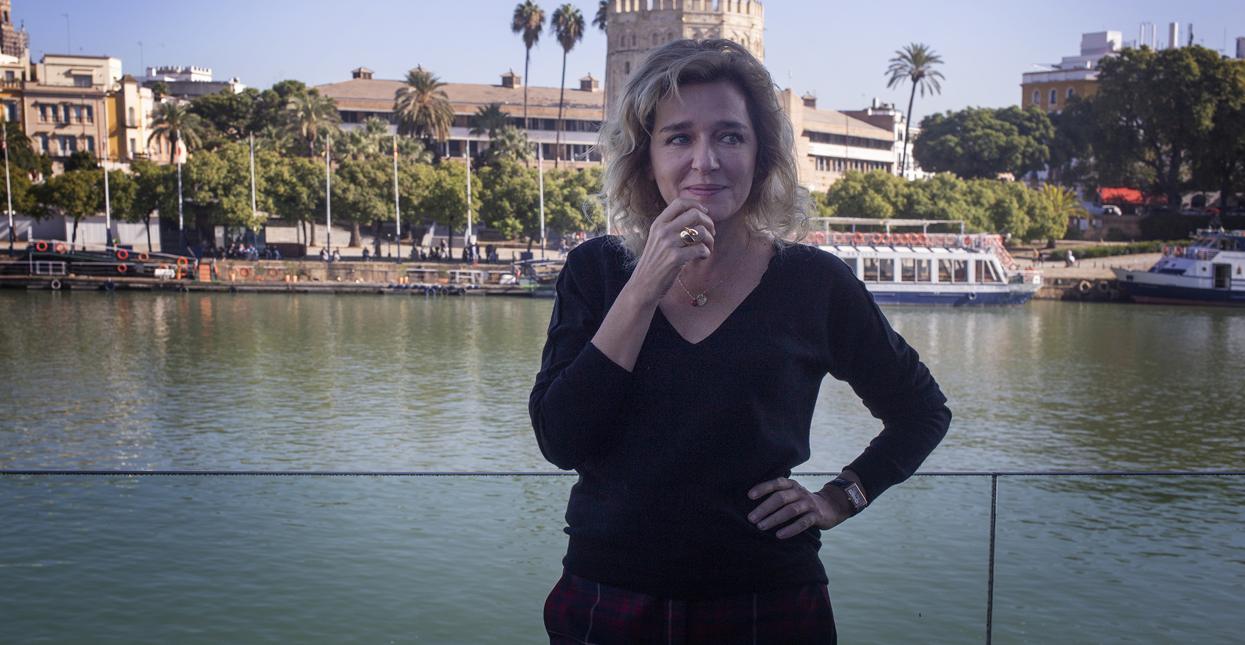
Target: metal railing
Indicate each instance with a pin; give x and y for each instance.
(994, 476)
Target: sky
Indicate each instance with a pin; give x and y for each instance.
(839, 51)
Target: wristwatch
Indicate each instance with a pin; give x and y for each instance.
(855, 494)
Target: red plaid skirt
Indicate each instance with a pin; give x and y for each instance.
(583, 611)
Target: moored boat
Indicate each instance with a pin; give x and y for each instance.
(931, 268)
(1209, 271)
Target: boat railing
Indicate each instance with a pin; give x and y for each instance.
(993, 475)
(978, 241)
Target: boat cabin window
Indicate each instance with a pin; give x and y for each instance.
(952, 270)
(914, 270)
(986, 272)
(878, 270)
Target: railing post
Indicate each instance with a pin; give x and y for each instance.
(994, 503)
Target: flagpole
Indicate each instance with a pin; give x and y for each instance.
(328, 195)
(178, 160)
(540, 172)
(467, 237)
(107, 197)
(397, 210)
(254, 211)
(8, 186)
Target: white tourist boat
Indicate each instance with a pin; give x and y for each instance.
(921, 268)
(1210, 271)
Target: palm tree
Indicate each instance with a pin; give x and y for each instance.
(528, 20)
(568, 28)
(173, 122)
(422, 107)
(310, 115)
(510, 143)
(914, 63)
(603, 12)
(488, 120)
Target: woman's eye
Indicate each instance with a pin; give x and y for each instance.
(732, 138)
(678, 139)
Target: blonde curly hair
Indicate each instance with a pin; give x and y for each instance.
(776, 206)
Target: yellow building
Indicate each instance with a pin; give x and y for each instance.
(1051, 87)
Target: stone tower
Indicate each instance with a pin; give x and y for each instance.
(13, 41)
(636, 27)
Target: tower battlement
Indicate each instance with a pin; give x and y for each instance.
(742, 7)
(637, 27)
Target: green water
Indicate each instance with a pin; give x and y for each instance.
(304, 383)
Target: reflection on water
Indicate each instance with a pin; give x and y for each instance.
(199, 381)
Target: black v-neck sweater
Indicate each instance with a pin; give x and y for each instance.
(666, 453)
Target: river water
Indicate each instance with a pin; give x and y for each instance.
(418, 384)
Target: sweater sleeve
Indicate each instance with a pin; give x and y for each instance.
(579, 392)
(889, 377)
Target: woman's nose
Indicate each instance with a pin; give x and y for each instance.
(704, 157)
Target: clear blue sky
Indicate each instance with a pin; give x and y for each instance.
(837, 50)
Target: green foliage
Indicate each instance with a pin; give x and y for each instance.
(510, 144)
(220, 185)
(444, 195)
(295, 187)
(1154, 114)
(982, 204)
(174, 121)
(22, 155)
(983, 142)
(915, 63)
(312, 118)
(488, 120)
(363, 190)
(76, 194)
(509, 196)
(422, 107)
(81, 160)
(24, 195)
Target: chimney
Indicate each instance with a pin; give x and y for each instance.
(511, 80)
(1173, 35)
(810, 101)
(589, 84)
(361, 73)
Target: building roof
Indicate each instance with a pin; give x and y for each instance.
(376, 95)
(835, 122)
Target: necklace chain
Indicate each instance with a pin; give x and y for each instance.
(701, 299)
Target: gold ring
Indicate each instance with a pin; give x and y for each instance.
(689, 236)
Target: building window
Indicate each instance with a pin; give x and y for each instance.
(1054, 97)
(43, 113)
(90, 114)
(43, 143)
(90, 144)
(1071, 93)
(130, 120)
(11, 108)
(133, 146)
(10, 75)
(69, 145)
(627, 67)
(1037, 97)
(81, 80)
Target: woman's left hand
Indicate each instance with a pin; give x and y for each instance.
(789, 501)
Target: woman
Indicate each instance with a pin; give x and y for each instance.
(682, 366)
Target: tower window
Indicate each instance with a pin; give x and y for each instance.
(1054, 97)
(1037, 97)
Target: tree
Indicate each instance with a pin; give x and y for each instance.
(296, 188)
(81, 160)
(488, 119)
(1071, 149)
(22, 155)
(422, 107)
(572, 200)
(528, 21)
(914, 63)
(1057, 205)
(1221, 163)
(568, 28)
(155, 190)
(510, 143)
(876, 194)
(1153, 111)
(603, 12)
(173, 122)
(984, 142)
(444, 197)
(230, 116)
(312, 117)
(363, 190)
(268, 109)
(75, 194)
(509, 198)
(220, 185)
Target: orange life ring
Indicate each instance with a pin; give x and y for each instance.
(819, 237)
(143, 257)
(274, 272)
(60, 247)
(922, 239)
(181, 262)
(244, 272)
(968, 241)
(877, 238)
(123, 255)
(858, 238)
(41, 246)
(121, 268)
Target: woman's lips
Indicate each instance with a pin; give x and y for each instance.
(705, 190)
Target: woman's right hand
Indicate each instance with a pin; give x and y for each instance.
(665, 254)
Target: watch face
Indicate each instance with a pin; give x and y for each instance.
(854, 494)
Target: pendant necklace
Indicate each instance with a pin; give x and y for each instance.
(701, 299)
